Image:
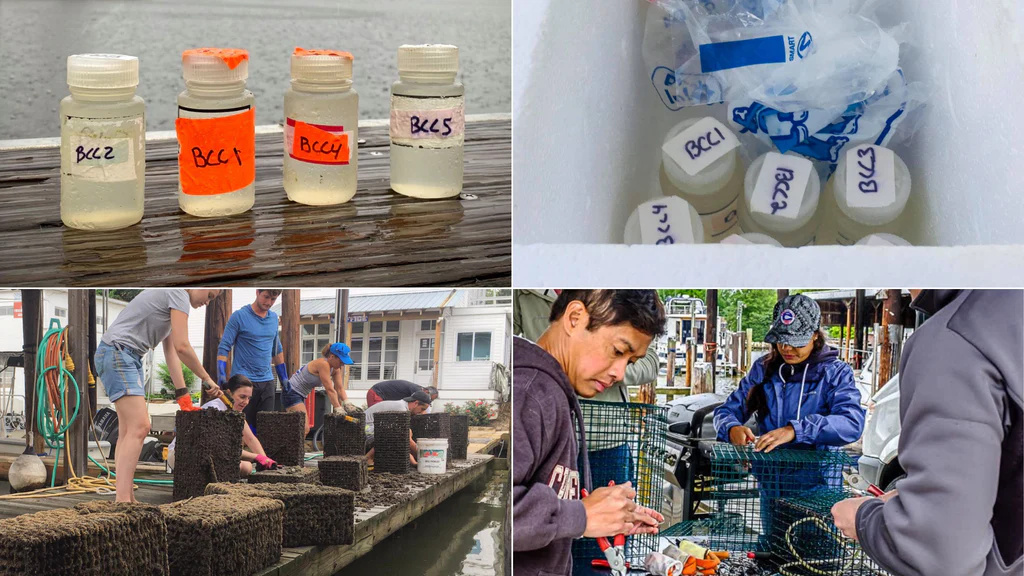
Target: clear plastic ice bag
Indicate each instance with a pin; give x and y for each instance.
(805, 75)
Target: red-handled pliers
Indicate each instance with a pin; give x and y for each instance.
(615, 555)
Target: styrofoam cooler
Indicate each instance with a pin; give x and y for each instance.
(589, 127)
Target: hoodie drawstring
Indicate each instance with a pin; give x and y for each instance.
(803, 380)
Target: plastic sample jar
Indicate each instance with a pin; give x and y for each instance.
(321, 129)
(102, 143)
(882, 239)
(781, 194)
(749, 238)
(428, 122)
(216, 129)
(701, 164)
(870, 188)
(664, 221)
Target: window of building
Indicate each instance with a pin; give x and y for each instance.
(491, 297)
(426, 359)
(471, 346)
(60, 312)
(382, 358)
(314, 338)
(355, 371)
(428, 325)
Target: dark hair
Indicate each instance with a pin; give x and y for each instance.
(757, 401)
(641, 309)
(236, 382)
(430, 390)
(273, 293)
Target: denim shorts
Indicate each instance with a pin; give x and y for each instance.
(290, 398)
(120, 371)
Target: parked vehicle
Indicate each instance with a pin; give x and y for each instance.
(879, 463)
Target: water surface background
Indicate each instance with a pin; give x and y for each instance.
(36, 37)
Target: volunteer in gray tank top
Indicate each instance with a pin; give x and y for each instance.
(324, 371)
(151, 318)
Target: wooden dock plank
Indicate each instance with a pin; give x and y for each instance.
(379, 238)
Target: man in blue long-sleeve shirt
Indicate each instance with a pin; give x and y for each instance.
(252, 331)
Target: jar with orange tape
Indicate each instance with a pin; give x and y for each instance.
(428, 122)
(216, 129)
(321, 128)
(103, 143)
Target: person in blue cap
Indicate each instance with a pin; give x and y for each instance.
(324, 371)
(802, 396)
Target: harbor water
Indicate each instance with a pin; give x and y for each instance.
(462, 536)
(36, 37)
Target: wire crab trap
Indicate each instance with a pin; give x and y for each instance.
(626, 442)
(745, 484)
(805, 542)
(778, 503)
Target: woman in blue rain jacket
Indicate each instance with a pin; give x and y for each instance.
(802, 396)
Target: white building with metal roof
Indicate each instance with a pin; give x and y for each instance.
(394, 336)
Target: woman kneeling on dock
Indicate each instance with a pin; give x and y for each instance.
(240, 390)
(152, 317)
(325, 371)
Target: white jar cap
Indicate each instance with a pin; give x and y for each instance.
(103, 71)
(321, 65)
(215, 65)
(882, 239)
(428, 58)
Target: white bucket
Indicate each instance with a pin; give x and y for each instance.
(433, 457)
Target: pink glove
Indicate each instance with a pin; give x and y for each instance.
(264, 463)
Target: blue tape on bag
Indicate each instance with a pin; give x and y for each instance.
(739, 53)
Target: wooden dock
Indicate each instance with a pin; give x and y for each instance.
(371, 527)
(379, 238)
(374, 525)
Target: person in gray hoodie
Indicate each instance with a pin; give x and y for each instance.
(960, 508)
(593, 335)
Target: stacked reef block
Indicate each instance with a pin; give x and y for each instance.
(313, 514)
(222, 534)
(458, 442)
(96, 538)
(344, 438)
(348, 472)
(286, 474)
(283, 436)
(433, 426)
(391, 442)
(805, 541)
(208, 449)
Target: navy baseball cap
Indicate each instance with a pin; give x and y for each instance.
(418, 396)
(341, 350)
(794, 321)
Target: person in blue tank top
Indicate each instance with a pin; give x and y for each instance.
(802, 396)
(252, 333)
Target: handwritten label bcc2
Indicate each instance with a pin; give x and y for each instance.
(781, 185)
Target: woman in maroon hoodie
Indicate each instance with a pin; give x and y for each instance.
(593, 336)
